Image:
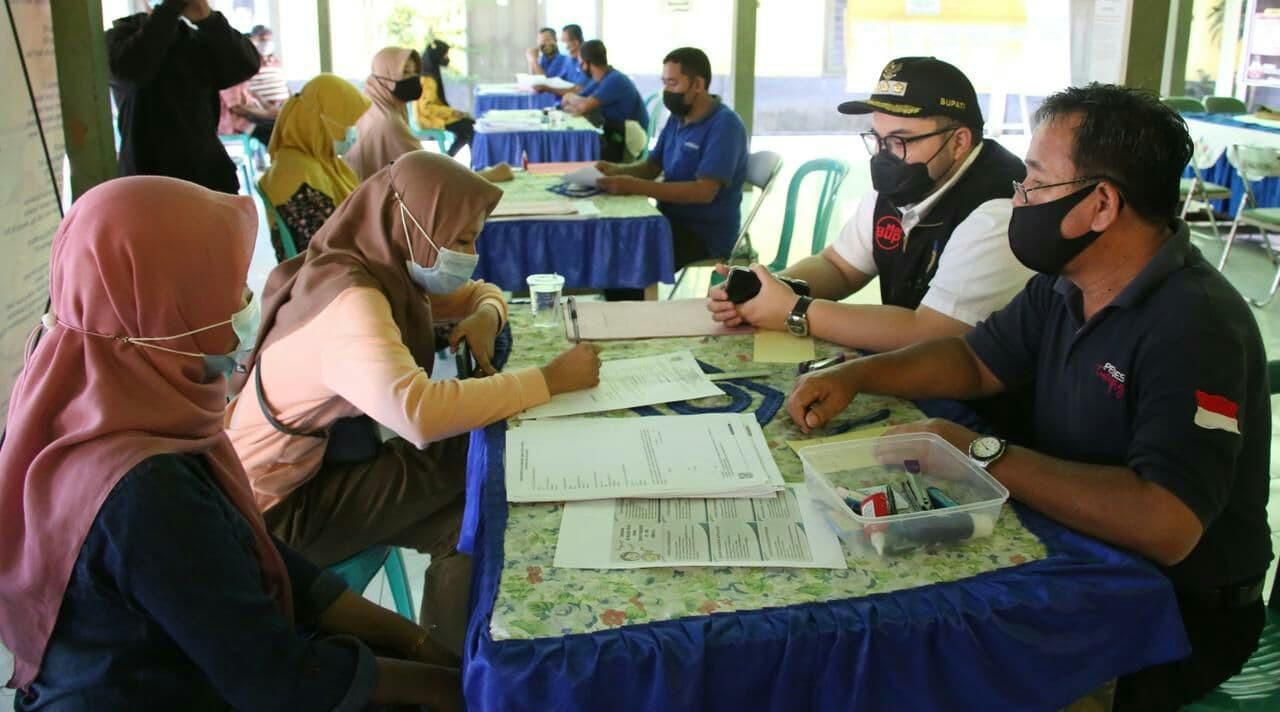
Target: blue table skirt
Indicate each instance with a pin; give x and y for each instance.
(1030, 637)
(518, 100)
(598, 253)
(552, 146)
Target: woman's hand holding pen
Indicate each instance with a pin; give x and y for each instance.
(573, 370)
(820, 396)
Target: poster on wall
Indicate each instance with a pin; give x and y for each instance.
(29, 208)
(1261, 65)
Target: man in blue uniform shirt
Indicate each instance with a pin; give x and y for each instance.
(569, 70)
(701, 155)
(545, 59)
(609, 99)
(1151, 422)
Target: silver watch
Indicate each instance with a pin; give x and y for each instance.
(986, 449)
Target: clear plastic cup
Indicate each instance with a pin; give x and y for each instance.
(544, 299)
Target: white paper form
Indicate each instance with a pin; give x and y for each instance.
(630, 382)
(705, 455)
(782, 529)
(584, 176)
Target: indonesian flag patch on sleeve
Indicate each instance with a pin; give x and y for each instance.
(1216, 413)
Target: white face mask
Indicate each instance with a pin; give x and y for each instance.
(244, 324)
(452, 269)
(266, 49)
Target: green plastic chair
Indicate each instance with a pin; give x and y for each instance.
(1224, 105)
(831, 172)
(1255, 163)
(1184, 104)
(653, 107)
(273, 220)
(360, 569)
(245, 143)
(444, 139)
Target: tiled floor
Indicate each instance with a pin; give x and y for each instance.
(1249, 269)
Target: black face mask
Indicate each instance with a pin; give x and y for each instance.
(1035, 233)
(408, 89)
(901, 182)
(674, 101)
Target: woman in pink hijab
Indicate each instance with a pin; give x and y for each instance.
(135, 570)
(383, 134)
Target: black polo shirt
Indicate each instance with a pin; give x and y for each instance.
(1169, 379)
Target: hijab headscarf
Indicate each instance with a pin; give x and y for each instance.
(384, 133)
(88, 407)
(431, 58)
(302, 143)
(364, 244)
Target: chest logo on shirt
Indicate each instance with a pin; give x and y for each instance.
(888, 233)
(1216, 413)
(1113, 377)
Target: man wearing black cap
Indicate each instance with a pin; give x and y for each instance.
(934, 229)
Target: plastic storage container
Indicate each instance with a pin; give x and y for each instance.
(930, 463)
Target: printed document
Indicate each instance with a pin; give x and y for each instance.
(781, 529)
(705, 455)
(629, 382)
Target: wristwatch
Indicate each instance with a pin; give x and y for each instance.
(798, 320)
(986, 449)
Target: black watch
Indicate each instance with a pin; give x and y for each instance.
(798, 319)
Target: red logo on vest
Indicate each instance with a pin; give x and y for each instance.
(888, 233)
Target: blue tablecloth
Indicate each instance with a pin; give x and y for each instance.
(600, 253)
(1267, 191)
(550, 146)
(1034, 636)
(484, 101)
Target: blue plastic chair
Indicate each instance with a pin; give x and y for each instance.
(444, 139)
(831, 172)
(360, 569)
(273, 220)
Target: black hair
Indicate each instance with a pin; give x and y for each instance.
(575, 32)
(594, 53)
(693, 63)
(1129, 136)
(259, 30)
(548, 30)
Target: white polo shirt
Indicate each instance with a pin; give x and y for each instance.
(977, 273)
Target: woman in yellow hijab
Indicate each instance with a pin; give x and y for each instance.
(307, 181)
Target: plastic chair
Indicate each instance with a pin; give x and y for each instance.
(444, 139)
(832, 172)
(1253, 163)
(653, 107)
(1196, 191)
(1224, 105)
(273, 220)
(763, 168)
(360, 569)
(243, 161)
(1184, 104)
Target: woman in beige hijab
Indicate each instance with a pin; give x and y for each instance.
(347, 331)
(383, 133)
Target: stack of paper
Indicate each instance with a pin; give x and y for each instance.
(603, 321)
(517, 208)
(487, 125)
(528, 81)
(630, 382)
(782, 529)
(711, 455)
(585, 176)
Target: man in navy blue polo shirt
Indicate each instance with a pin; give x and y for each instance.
(609, 99)
(1151, 420)
(546, 59)
(701, 155)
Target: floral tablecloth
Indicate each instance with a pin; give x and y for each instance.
(535, 599)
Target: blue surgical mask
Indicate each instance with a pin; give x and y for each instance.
(452, 269)
(344, 144)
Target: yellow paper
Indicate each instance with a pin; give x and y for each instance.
(780, 347)
(862, 434)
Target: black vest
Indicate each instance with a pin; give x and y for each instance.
(907, 263)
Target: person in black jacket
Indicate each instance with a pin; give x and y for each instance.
(165, 76)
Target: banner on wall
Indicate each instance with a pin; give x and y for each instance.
(29, 180)
(1261, 65)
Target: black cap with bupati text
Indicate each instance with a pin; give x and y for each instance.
(916, 87)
